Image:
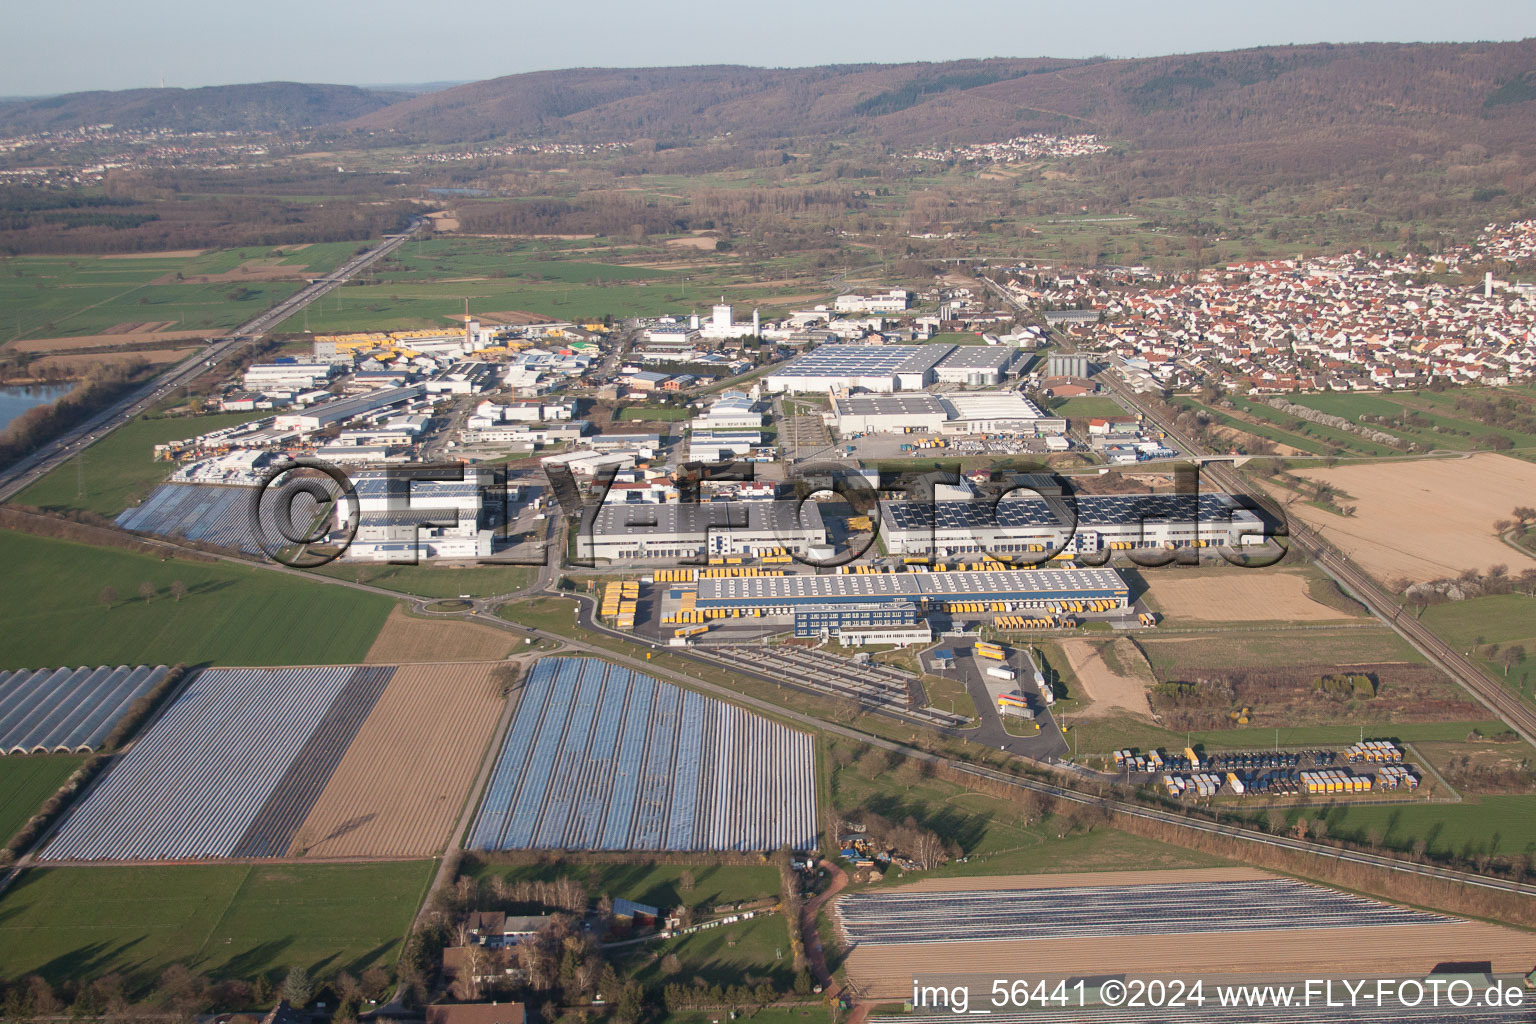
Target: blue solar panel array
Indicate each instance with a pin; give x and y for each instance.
(1092, 510)
(601, 758)
(232, 765)
(68, 709)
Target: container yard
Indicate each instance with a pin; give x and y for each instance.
(1373, 766)
(68, 710)
(601, 758)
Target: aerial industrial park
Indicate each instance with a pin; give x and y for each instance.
(1046, 538)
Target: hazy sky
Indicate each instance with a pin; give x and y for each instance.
(71, 45)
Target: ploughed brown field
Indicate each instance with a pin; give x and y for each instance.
(1425, 520)
(402, 784)
(1242, 595)
(75, 361)
(408, 640)
(886, 972)
(140, 336)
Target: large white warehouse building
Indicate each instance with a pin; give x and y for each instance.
(878, 368)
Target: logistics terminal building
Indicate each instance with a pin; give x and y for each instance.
(1022, 524)
(696, 530)
(831, 603)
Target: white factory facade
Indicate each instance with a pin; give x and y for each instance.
(961, 412)
(1031, 527)
(693, 530)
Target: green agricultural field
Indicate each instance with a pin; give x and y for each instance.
(120, 469)
(656, 413)
(227, 920)
(1494, 619)
(1493, 825)
(1436, 423)
(64, 296)
(992, 832)
(1172, 654)
(1508, 620)
(25, 782)
(232, 614)
(659, 885)
(1332, 437)
(1086, 407)
(424, 283)
(721, 956)
(1269, 433)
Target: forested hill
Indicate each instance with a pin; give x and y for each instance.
(1286, 107)
(264, 107)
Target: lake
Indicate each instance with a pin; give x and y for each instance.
(16, 399)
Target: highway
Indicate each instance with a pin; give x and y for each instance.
(25, 472)
(1510, 708)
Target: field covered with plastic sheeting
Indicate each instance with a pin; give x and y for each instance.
(231, 769)
(68, 710)
(602, 758)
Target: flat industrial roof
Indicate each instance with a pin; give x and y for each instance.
(912, 404)
(695, 517)
(977, 357)
(768, 590)
(977, 405)
(865, 360)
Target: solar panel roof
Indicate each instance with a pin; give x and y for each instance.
(1023, 512)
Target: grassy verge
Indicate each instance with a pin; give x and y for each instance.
(120, 469)
(25, 782)
(437, 581)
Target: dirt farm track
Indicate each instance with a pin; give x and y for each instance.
(401, 785)
(886, 971)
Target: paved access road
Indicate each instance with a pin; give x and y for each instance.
(25, 472)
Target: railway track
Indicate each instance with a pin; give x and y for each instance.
(1510, 708)
(1513, 711)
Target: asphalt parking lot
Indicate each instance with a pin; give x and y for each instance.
(1046, 745)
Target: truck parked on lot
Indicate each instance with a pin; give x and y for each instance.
(1002, 672)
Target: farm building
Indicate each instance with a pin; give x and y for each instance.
(692, 530)
(1023, 524)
